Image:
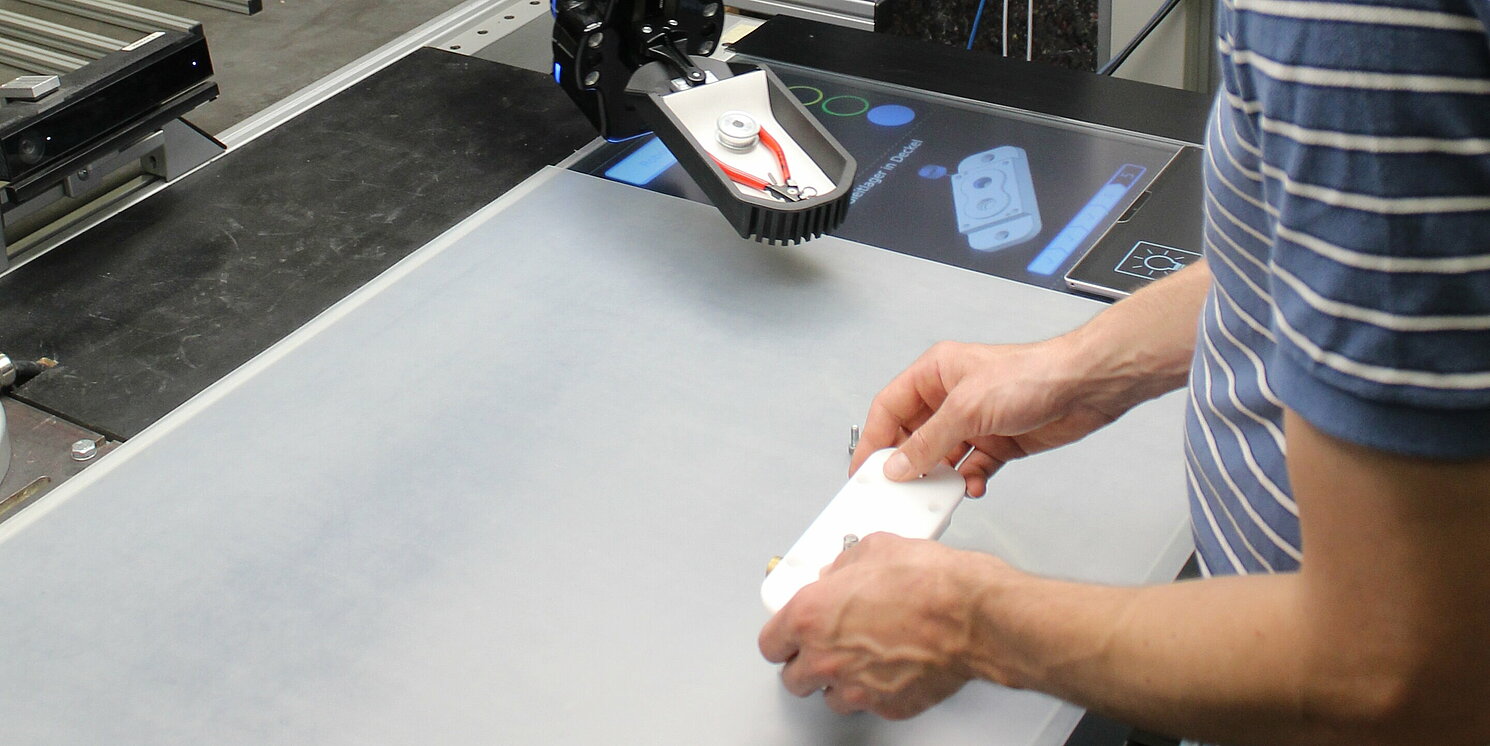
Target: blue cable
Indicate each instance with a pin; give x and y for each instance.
(976, 18)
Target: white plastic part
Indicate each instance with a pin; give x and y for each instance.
(868, 503)
(738, 131)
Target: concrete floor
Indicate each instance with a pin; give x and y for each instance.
(263, 58)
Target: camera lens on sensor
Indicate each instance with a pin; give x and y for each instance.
(30, 148)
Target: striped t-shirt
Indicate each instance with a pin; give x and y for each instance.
(1348, 230)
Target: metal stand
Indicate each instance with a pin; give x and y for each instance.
(163, 155)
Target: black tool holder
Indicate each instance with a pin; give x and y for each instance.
(620, 60)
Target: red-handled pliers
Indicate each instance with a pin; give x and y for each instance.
(786, 189)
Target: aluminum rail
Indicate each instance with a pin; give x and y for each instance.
(451, 22)
(56, 36)
(122, 15)
(246, 7)
(34, 59)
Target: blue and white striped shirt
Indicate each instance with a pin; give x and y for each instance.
(1348, 230)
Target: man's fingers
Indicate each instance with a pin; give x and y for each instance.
(942, 433)
(884, 428)
(803, 677)
(904, 403)
(846, 699)
(975, 470)
(777, 642)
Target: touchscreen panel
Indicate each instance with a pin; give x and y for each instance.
(994, 190)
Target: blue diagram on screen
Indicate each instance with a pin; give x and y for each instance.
(1087, 219)
(995, 198)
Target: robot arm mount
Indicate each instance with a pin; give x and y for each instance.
(760, 157)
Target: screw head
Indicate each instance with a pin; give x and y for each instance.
(83, 174)
(84, 450)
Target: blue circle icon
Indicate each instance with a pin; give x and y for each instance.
(891, 115)
(933, 172)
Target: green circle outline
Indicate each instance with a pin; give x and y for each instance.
(813, 102)
(861, 99)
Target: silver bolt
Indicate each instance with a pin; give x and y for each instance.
(591, 78)
(84, 450)
(853, 439)
(849, 540)
(82, 174)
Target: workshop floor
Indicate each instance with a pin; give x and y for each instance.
(263, 58)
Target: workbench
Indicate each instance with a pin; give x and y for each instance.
(512, 471)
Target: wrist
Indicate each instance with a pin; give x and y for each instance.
(1089, 372)
(994, 587)
(1117, 369)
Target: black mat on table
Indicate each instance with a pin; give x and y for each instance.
(164, 299)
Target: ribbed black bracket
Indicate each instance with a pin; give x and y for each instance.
(762, 218)
(778, 225)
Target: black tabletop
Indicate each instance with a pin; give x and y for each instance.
(157, 303)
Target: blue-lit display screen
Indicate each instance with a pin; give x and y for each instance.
(975, 186)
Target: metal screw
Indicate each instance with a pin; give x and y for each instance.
(591, 79)
(595, 40)
(849, 540)
(82, 174)
(853, 439)
(84, 450)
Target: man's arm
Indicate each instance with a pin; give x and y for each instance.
(1008, 401)
(1382, 637)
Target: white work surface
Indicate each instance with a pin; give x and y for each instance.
(522, 489)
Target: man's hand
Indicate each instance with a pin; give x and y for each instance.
(1008, 401)
(1003, 401)
(885, 629)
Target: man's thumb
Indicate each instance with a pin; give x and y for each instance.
(926, 446)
